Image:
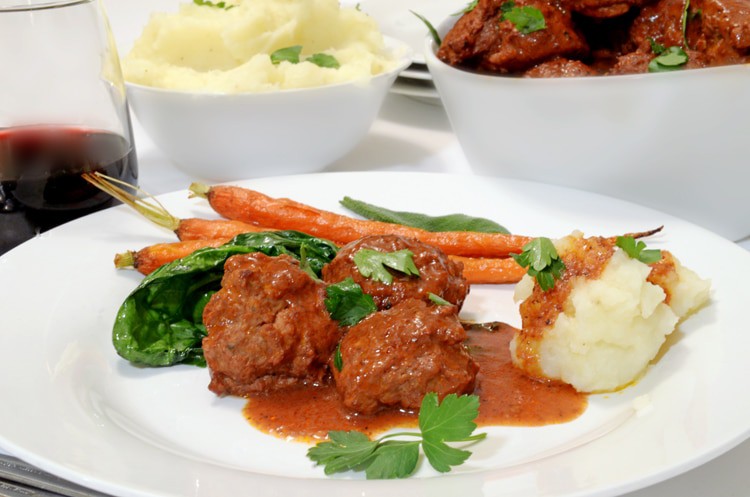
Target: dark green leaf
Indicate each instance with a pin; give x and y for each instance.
(450, 222)
(449, 421)
(526, 19)
(373, 264)
(160, 322)
(324, 60)
(657, 48)
(393, 459)
(637, 250)
(287, 54)
(542, 261)
(347, 303)
(430, 28)
(442, 456)
(338, 361)
(346, 450)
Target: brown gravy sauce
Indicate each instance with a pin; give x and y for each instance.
(507, 397)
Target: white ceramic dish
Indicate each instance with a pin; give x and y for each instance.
(73, 407)
(671, 141)
(223, 137)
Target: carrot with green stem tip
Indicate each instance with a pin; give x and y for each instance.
(249, 206)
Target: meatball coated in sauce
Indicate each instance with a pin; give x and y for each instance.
(268, 327)
(394, 357)
(437, 273)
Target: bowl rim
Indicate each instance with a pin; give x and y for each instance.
(403, 57)
(433, 62)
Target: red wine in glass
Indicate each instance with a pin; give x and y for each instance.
(40, 176)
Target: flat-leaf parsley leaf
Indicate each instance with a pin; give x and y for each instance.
(451, 421)
(636, 249)
(526, 19)
(373, 264)
(347, 303)
(542, 261)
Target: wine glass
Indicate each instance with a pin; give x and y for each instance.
(63, 112)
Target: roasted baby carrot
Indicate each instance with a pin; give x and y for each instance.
(195, 228)
(490, 271)
(243, 204)
(476, 270)
(151, 257)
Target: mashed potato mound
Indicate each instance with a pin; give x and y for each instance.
(227, 50)
(611, 326)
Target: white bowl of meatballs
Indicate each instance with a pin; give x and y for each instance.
(644, 100)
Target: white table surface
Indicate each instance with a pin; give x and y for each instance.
(411, 135)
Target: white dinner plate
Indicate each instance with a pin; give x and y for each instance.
(395, 18)
(71, 406)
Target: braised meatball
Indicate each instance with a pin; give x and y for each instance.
(482, 39)
(437, 273)
(394, 357)
(268, 326)
(560, 67)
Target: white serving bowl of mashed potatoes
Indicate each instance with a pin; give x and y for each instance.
(260, 87)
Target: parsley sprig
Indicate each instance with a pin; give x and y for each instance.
(373, 264)
(636, 249)
(292, 55)
(209, 3)
(347, 303)
(542, 260)
(526, 19)
(384, 458)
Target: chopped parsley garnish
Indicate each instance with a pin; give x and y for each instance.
(338, 361)
(292, 55)
(209, 3)
(670, 59)
(636, 249)
(542, 260)
(373, 264)
(385, 458)
(526, 19)
(347, 303)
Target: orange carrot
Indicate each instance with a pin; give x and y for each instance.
(199, 229)
(152, 257)
(253, 207)
(476, 270)
(482, 270)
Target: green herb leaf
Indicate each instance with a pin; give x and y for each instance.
(160, 322)
(449, 222)
(542, 261)
(286, 54)
(471, 6)
(338, 360)
(430, 28)
(636, 249)
(451, 421)
(372, 264)
(345, 450)
(393, 459)
(684, 21)
(437, 299)
(656, 47)
(324, 60)
(672, 59)
(526, 19)
(347, 303)
(219, 5)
